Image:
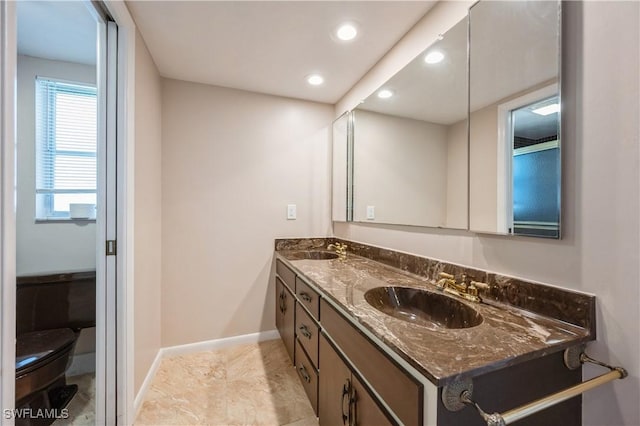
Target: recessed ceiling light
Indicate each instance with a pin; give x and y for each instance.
(434, 57)
(347, 32)
(385, 94)
(547, 109)
(315, 79)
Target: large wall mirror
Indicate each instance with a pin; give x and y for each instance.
(410, 146)
(514, 120)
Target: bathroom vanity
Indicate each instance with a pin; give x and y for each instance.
(361, 363)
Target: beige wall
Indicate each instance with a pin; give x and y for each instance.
(339, 168)
(231, 162)
(45, 247)
(399, 169)
(457, 176)
(600, 249)
(147, 213)
(483, 182)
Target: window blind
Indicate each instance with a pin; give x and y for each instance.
(66, 139)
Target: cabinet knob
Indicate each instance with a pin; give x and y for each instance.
(304, 330)
(304, 374)
(305, 296)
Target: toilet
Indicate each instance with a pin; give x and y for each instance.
(51, 310)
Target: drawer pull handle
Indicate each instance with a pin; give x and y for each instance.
(305, 296)
(346, 390)
(304, 330)
(304, 374)
(281, 301)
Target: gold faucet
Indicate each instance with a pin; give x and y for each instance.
(340, 248)
(468, 292)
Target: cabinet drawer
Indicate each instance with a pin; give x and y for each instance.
(402, 393)
(285, 313)
(307, 332)
(308, 297)
(308, 376)
(286, 275)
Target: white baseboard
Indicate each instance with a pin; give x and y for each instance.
(82, 364)
(227, 342)
(146, 384)
(206, 345)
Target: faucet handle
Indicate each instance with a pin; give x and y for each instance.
(446, 276)
(480, 285)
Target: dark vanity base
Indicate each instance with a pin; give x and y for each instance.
(515, 386)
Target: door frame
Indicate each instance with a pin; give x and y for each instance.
(8, 51)
(125, 190)
(504, 151)
(125, 214)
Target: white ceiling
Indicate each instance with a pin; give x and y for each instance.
(436, 93)
(271, 46)
(58, 30)
(513, 48)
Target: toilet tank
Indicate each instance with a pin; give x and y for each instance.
(61, 300)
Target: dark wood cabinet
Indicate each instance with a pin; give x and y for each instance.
(307, 332)
(308, 297)
(365, 409)
(285, 316)
(342, 398)
(351, 380)
(402, 393)
(308, 376)
(333, 407)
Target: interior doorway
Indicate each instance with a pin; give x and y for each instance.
(63, 131)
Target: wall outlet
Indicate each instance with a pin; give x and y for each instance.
(291, 212)
(371, 212)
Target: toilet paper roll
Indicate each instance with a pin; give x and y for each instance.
(82, 211)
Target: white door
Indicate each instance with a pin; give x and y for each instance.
(8, 60)
(107, 224)
(108, 265)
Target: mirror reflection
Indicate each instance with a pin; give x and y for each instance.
(341, 191)
(514, 118)
(410, 141)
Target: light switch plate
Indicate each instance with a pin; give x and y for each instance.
(291, 212)
(371, 212)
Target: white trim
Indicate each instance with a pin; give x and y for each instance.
(543, 146)
(146, 384)
(504, 152)
(9, 57)
(227, 342)
(207, 345)
(82, 364)
(126, 139)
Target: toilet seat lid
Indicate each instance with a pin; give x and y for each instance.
(37, 346)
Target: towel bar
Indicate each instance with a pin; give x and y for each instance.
(458, 395)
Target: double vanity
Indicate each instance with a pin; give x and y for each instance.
(381, 337)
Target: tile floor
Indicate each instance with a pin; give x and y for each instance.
(244, 385)
(82, 411)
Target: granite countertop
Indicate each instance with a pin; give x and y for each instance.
(507, 335)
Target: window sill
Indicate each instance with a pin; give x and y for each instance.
(65, 220)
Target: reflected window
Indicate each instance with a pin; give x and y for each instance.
(536, 169)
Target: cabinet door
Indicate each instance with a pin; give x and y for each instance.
(285, 316)
(365, 411)
(334, 387)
